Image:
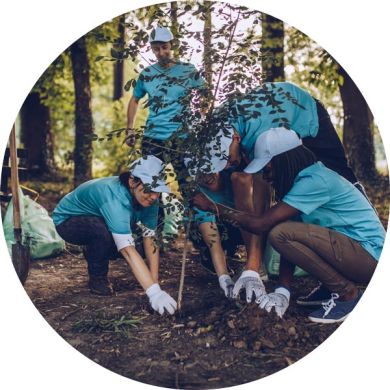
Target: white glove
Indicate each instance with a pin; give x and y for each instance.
(160, 300)
(226, 283)
(279, 299)
(250, 280)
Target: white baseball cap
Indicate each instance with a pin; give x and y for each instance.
(149, 170)
(271, 143)
(160, 34)
(219, 149)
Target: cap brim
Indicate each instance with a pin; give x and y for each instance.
(256, 165)
(160, 186)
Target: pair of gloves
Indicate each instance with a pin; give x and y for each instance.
(252, 283)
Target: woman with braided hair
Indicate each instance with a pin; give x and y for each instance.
(321, 223)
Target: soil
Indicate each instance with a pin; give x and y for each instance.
(211, 343)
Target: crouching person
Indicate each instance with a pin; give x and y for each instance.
(338, 237)
(99, 215)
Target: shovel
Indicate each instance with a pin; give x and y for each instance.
(20, 253)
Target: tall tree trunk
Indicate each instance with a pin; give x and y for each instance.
(358, 137)
(207, 58)
(175, 29)
(272, 48)
(83, 113)
(36, 136)
(119, 64)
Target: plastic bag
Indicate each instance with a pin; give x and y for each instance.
(272, 262)
(38, 230)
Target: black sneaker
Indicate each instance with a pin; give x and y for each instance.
(100, 285)
(316, 297)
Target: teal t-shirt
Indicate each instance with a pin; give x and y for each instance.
(109, 199)
(166, 89)
(327, 199)
(279, 104)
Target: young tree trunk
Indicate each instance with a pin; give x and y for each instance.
(83, 113)
(175, 29)
(36, 136)
(357, 133)
(119, 65)
(207, 58)
(272, 48)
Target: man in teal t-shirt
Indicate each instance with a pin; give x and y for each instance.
(168, 85)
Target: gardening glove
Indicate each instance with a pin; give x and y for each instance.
(160, 300)
(250, 280)
(279, 299)
(226, 283)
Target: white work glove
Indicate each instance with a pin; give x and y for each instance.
(279, 299)
(250, 280)
(160, 300)
(226, 283)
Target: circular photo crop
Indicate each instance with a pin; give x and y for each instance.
(195, 195)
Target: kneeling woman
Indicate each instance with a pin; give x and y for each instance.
(100, 214)
(321, 223)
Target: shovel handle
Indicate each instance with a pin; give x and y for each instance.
(14, 180)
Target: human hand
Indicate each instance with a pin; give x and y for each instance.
(130, 137)
(160, 300)
(226, 283)
(201, 201)
(252, 283)
(279, 299)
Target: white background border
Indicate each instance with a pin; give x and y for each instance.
(33, 33)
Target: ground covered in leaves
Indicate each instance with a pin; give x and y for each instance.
(211, 343)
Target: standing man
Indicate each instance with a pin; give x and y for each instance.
(168, 84)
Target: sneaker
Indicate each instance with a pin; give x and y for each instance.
(100, 285)
(334, 310)
(318, 296)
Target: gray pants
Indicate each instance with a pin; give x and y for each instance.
(333, 258)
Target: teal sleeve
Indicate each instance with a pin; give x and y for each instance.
(201, 216)
(139, 90)
(149, 216)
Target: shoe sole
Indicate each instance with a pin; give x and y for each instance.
(96, 292)
(327, 320)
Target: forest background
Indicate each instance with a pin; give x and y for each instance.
(367, 52)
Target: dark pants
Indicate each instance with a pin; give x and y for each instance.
(332, 257)
(92, 233)
(327, 146)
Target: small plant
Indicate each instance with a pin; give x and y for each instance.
(122, 325)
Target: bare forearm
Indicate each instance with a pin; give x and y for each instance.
(138, 266)
(152, 254)
(212, 239)
(131, 112)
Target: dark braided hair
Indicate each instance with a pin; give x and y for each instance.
(287, 165)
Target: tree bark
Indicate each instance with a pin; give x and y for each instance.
(358, 137)
(119, 65)
(207, 58)
(175, 29)
(36, 136)
(272, 48)
(83, 113)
